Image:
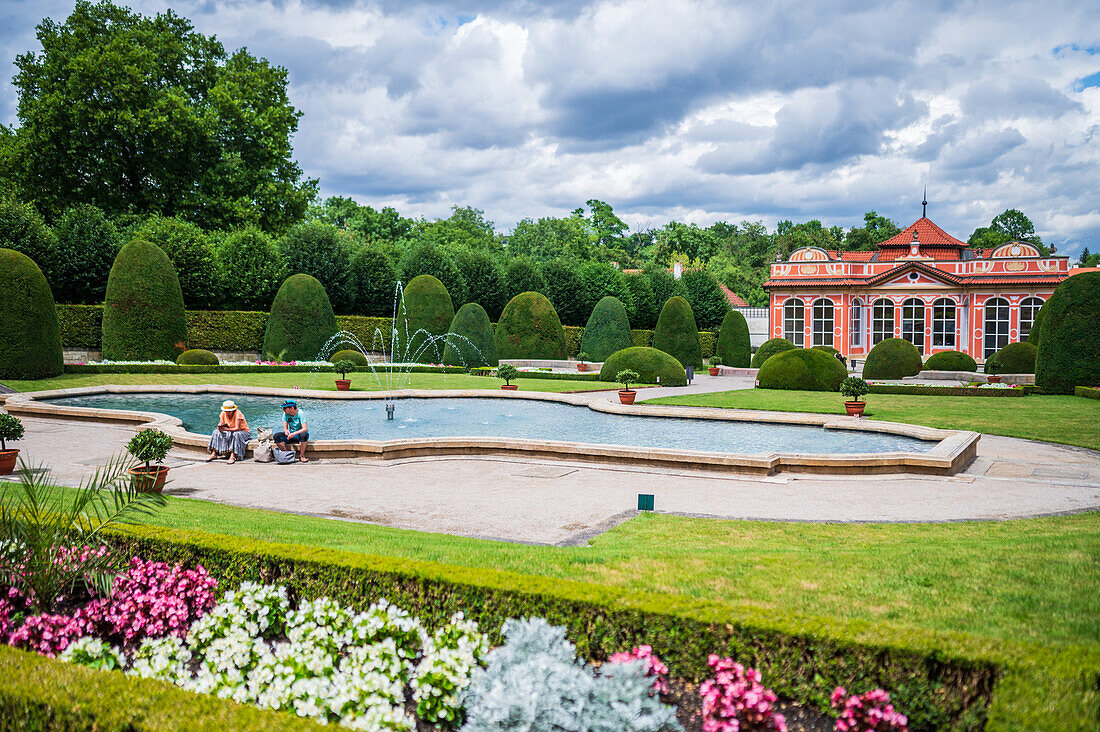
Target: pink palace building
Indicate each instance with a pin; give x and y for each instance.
(923, 285)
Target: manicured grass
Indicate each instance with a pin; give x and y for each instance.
(360, 382)
(1032, 580)
(1068, 420)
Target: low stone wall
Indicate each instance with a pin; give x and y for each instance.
(972, 376)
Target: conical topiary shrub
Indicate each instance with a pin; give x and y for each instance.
(425, 310)
(143, 316)
(608, 330)
(28, 320)
(529, 328)
(470, 339)
(734, 345)
(301, 320)
(676, 333)
(768, 349)
(1069, 348)
(893, 358)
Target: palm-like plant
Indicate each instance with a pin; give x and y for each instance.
(41, 521)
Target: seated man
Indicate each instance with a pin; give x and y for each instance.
(295, 430)
(231, 435)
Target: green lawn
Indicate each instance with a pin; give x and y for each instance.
(1069, 420)
(364, 382)
(1035, 579)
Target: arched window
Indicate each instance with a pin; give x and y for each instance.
(912, 322)
(944, 323)
(882, 321)
(1029, 308)
(794, 321)
(823, 322)
(996, 325)
(857, 323)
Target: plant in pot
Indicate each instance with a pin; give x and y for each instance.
(714, 362)
(582, 357)
(343, 367)
(626, 377)
(149, 446)
(854, 388)
(508, 372)
(10, 429)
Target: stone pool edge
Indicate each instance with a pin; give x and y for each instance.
(954, 450)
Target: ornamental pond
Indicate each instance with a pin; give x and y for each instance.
(365, 419)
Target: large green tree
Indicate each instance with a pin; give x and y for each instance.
(1009, 225)
(140, 114)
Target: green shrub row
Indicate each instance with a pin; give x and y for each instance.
(801, 658)
(39, 693)
(82, 325)
(243, 369)
(1089, 392)
(946, 391)
(224, 330)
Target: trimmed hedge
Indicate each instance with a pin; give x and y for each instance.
(676, 333)
(425, 306)
(301, 320)
(648, 362)
(475, 343)
(529, 328)
(607, 331)
(1015, 358)
(914, 390)
(226, 330)
(1089, 392)
(938, 685)
(29, 330)
(734, 344)
(197, 357)
(807, 369)
(257, 368)
(951, 361)
(1069, 350)
(768, 349)
(143, 316)
(349, 354)
(893, 358)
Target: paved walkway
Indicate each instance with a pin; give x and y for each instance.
(562, 503)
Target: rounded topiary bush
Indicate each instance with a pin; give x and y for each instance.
(349, 354)
(733, 347)
(808, 369)
(529, 328)
(676, 333)
(650, 363)
(470, 339)
(1015, 358)
(835, 353)
(768, 349)
(198, 357)
(1069, 349)
(950, 361)
(28, 320)
(608, 330)
(143, 316)
(301, 321)
(425, 311)
(893, 358)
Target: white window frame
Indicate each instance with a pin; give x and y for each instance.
(912, 328)
(944, 328)
(857, 323)
(1029, 309)
(793, 316)
(820, 334)
(879, 334)
(998, 314)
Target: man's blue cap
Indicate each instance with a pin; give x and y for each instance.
(289, 403)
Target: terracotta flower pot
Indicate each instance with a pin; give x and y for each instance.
(713, 370)
(855, 409)
(149, 480)
(582, 367)
(509, 387)
(343, 385)
(993, 379)
(626, 396)
(8, 458)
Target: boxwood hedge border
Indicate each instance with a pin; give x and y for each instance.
(1089, 392)
(966, 391)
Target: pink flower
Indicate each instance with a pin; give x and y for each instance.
(871, 712)
(654, 666)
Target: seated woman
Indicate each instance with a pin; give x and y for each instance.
(231, 435)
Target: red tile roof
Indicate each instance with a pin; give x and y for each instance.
(1079, 270)
(928, 233)
(734, 299)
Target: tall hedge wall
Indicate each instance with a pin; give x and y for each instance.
(143, 316)
(28, 322)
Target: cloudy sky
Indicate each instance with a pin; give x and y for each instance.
(698, 111)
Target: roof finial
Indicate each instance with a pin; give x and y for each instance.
(924, 204)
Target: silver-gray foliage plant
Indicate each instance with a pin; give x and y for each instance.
(534, 683)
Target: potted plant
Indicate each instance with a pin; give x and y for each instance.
(854, 388)
(508, 372)
(149, 446)
(714, 362)
(626, 377)
(343, 368)
(581, 358)
(10, 429)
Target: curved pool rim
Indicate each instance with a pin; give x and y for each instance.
(954, 451)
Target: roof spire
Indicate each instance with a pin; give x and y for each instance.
(924, 204)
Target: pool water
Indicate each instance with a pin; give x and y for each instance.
(524, 419)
